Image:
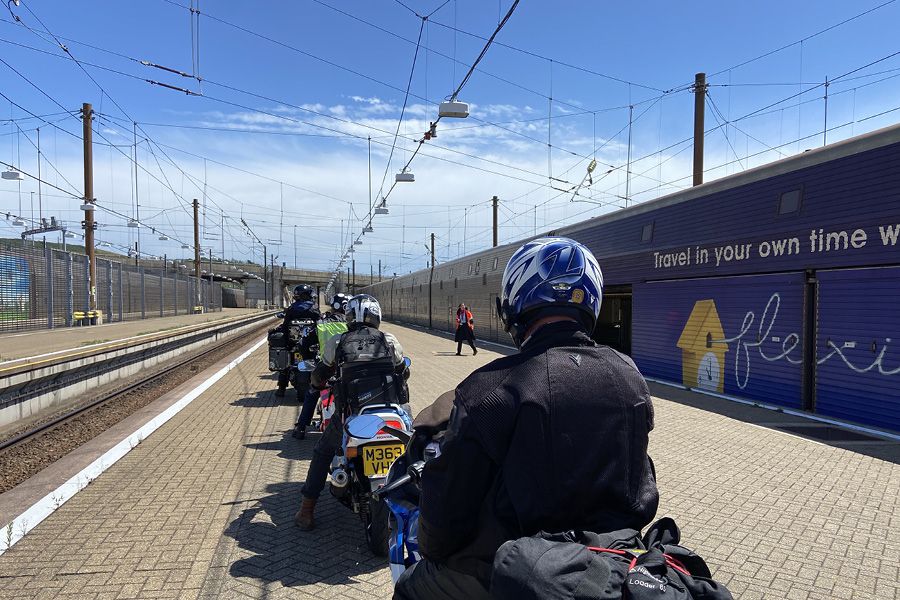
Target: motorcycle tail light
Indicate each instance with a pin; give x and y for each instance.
(351, 452)
(394, 424)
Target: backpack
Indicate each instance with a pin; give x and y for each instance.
(367, 371)
(580, 565)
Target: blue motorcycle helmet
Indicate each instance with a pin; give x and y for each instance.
(549, 276)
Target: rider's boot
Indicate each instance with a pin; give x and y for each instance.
(304, 518)
(299, 432)
(279, 393)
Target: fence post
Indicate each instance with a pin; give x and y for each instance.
(206, 298)
(143, 303)
(48, 256)
(109, 291)
(121, 297)
(175, 290)
(162, 293)
(70, 291)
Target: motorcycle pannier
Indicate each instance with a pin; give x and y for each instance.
(279, 352)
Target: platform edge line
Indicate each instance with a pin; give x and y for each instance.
(19, 526)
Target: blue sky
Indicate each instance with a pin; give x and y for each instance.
(292, 112)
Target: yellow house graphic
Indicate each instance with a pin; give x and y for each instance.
(702, 361)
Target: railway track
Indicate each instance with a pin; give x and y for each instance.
(26, 452)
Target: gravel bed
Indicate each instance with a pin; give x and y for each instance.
(23, 460)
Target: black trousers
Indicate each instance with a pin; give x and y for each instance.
(284, 378)
(430, 581)
(459, 346)
(327, 446)
(310, 400)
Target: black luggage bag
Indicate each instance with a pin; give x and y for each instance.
(279, 350)
(580, 565)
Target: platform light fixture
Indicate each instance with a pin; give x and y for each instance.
(12, 174)
(453, 109)
(368, 229)
(87, 206)
(18, 222)
(405, 176)
(133, 223)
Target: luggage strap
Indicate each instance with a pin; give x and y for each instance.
(635, 553)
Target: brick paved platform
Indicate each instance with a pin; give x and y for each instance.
(204, 507)
(33, 343)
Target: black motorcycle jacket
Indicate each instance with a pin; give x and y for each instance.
(549, 439)
(300, 311)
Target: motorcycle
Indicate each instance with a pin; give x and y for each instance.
(400, 492)
(363, 464)
(288, 350)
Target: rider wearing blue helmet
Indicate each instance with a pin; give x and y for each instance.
(551, 438)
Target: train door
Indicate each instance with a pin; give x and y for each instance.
(492, 320)
(857, 360)
(614, 322)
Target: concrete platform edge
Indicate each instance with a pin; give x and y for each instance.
(18, 527)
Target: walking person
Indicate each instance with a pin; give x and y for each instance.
(465, 329)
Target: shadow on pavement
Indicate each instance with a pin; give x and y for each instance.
(333, 553)
(824, 433)
(267, 399)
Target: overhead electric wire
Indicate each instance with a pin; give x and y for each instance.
(802, 40)
(349, 70)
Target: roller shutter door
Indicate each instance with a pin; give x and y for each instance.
(858, 346)
(740, 336)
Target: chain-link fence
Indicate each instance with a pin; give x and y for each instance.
(45, 288)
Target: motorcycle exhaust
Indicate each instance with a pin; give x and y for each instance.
(339, 478)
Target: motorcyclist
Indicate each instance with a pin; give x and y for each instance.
(336, 313)
(362, 342)
(302, 308)
(551, 438)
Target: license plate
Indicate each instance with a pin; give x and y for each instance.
(378, 459)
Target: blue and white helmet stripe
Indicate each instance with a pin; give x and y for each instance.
(550, 272)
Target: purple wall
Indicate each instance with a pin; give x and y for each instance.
(758, 349)
(859, 192)
(858, 346)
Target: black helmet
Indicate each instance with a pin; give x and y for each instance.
(303, 293)
(339, 302)
(365, 310)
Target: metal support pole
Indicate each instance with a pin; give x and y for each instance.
(494, 201)
(162, 293)
(143, 294)
(699, 90)
(48, 257)
(121, 298)
(109, 292)
(86, 115)
(430, 281)
(175, 290)
(70, 290)
(197, 245)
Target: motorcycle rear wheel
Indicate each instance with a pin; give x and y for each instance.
(377, 527)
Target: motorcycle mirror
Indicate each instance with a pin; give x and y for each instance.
(280, 314)
(365, 427)
(407, 361)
